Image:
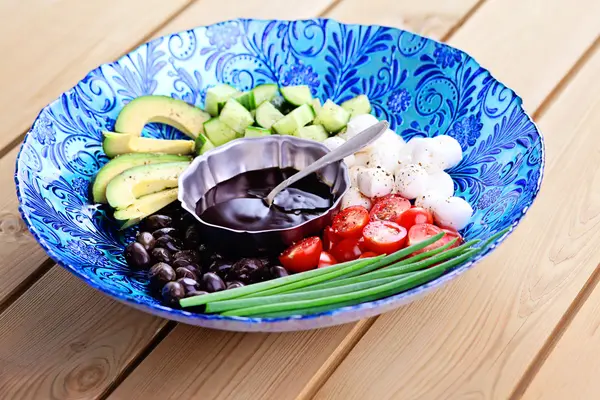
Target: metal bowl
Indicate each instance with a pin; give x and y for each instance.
(253, 154)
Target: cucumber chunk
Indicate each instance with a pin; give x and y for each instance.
(265, 92)
(312, 132)
(218, 94)
(253, 131)
(316, 105)
(236, 116)
(246, 99)
(297, 95)
(283, 106)
(294, 120)
(267, 115)
(333, 117)
(218, 132)
(357, 105)
(202, 145)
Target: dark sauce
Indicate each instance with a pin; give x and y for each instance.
(237, 203)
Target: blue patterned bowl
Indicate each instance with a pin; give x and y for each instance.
(424, 88)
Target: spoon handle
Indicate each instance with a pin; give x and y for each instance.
(351, 146)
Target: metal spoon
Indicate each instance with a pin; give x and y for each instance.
(353, 145)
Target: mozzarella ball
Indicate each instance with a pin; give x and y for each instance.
(412, 143)
(361, 159)
(354, 197)
(430, 155)
(386, 158)
(441, 183)
(358, 124)
(353, 172)
(375, 182)
(403, 158)
(452, 150)
(388, 139)
(411, 181)
(429, 200)
(333, 142)
(350, 160)
(452, 212)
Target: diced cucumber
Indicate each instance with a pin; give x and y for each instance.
(253, 131)
(316, 105)
(312, 132)
(202, 145)
(297, 95)
(218, 132)
(294, 120)
(357, 105)
(333, 117)
(253, 113)
(265, 92)
(218, 94)
(267, 115)
(283, 106)
(246, 99)
(236, 116)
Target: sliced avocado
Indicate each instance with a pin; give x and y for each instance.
(164, 109)
(145, 206)
(131, 184)
(121, 163)
(122, 143)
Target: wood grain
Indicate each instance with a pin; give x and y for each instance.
(47, 46)
(434, 18)
(476, 337)
(20, 255)
(64, 340)
(571, 370)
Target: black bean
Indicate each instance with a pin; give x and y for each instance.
(205, 255)
(183, 272)
(146, 239)
(220, 267)
(137, 256)
(246, 270)
(170, 243)
(234, 284)
(160, 274)
(172, 292)
(161, 255)
(278, 271)
(165, 231)
(189, 284)
(191, 255)
(211, 282)
(195, 293)
(158, 221)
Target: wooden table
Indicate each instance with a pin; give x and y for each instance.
(523, 324)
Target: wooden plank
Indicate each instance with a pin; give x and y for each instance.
(192, 363)
(64, 340)
(477, 336)
(19, 252)
(571, 370)
(434, 18)
(47, 46)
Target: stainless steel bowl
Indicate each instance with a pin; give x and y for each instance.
(253, 154)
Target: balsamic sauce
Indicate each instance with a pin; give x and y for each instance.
(237, 203)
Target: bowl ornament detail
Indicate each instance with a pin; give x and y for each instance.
(422, 87)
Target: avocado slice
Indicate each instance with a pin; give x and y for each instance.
(124, 189)
(122, 143)
(121, 163)
(164, 109)
(145, 206)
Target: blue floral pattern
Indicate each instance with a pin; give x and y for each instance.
(423, 88)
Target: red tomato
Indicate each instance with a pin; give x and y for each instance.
(389, 208)
(384, 237)
(368, 254)
(346, 250)
(361, 244)
(450, 235)
(413, 216)
(326, 260)
(420, 232)
(303, 255)
(350, 222)
(329, 238)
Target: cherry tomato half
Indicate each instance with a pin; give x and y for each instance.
(303, 255)
(389, 209)
(329, 238)
(326, 260)
(413, 216)
(368, 254)
(450, 235)
(346, 250)
(384, 237)
(361, 244)
(350, 222)
(420, 232)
